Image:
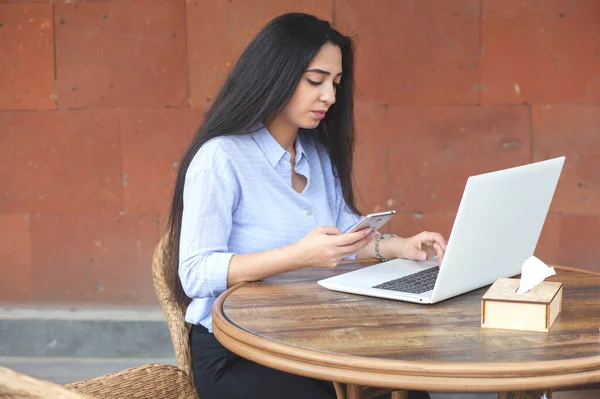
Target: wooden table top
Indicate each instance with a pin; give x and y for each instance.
(290, 323)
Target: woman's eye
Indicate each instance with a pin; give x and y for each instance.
(313, 83)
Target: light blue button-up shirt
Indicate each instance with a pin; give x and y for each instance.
(238, 199)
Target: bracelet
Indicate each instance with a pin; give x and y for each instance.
(382, 237)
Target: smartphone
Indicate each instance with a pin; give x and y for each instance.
(373, 220)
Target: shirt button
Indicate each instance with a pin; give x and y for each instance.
(309, 212)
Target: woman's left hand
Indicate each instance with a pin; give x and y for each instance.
(423, 246)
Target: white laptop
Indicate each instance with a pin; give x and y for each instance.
(497, 227)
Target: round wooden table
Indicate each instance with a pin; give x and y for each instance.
(290, 323)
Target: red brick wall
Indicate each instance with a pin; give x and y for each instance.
(99, 99)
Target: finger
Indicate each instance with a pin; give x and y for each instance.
(416, 252)
(431, 238)
(351, 238)
(439, 250)
(430, 250)
(330, 230)
(357, 246)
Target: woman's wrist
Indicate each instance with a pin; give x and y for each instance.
(392, 248)
(296, 257)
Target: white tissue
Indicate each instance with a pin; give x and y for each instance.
(534, 271)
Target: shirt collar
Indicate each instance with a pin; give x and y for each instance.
(273, 150)
(299, 146)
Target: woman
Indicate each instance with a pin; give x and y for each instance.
(266, 187)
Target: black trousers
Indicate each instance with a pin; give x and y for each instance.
(220, 373)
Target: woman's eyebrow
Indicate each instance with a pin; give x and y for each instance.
(322, 71)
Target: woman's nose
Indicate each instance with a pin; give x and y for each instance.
(328, 95)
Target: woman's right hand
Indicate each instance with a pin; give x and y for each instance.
(326, 246)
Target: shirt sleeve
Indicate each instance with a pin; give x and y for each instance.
(209, 200)
(346, 217)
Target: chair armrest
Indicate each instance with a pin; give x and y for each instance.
(20, 386)
(148, 381)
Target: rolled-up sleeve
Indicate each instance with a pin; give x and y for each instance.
(209, 201)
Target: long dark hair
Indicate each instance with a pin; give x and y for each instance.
(257, 90)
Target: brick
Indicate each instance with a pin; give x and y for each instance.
(541, 51)
(59, 162)
(219, 30)
(571, 130)
(548, 244)
(26, 57)
(15, 261)
(410, 224)
(93, 258)
(127, 53)
(579, 241)
(153, 143)
(370, 174)
(433, 150)
(414, 52)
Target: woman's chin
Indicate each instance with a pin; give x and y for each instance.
(310, 125)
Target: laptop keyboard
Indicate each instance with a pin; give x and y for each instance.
(416, 283)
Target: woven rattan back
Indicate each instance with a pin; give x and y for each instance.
(156, 381)
(166, 280)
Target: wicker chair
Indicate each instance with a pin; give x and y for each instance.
(149, 381)
(165, 278)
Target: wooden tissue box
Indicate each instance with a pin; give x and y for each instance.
(535, 310)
